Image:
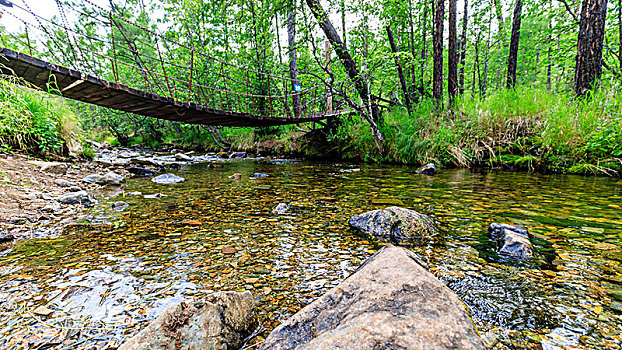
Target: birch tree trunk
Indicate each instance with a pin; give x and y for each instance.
(372, 115)
(400, 72)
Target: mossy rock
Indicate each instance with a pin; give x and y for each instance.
(398, 226)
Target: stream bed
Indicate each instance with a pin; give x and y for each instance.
(100, 283)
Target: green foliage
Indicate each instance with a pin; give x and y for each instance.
(34, 121)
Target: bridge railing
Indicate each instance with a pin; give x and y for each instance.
(113, 48)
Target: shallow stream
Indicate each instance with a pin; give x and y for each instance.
(95, 287)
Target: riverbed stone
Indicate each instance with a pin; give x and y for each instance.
(6, 237)
(237, 155)
(183, 157)
(64, 183)
(110, 179)
(390, 302)
(120, 206)
(512, 241)
(93, 178)
(220, 321)
(80, 197)
(136, 171)
(236, 177)
(428, 169)
(281, 208)
(167, 179)
(258, 176)
(398, 226)
(54, 168)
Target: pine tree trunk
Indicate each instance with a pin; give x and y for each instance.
(514, 39)
(452, 62)
(400, 72)
(588, 66)
(424, 28)
(463, 46)
(293, 66)
(437, 79)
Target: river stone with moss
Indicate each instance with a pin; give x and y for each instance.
(398, 226)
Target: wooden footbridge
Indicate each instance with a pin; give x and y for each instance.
(175, 82)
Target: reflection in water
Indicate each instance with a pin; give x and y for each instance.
(212, 233)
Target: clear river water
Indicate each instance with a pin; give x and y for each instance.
(96, 285)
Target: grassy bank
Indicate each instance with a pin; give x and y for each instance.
(524, 128)
(36, 122)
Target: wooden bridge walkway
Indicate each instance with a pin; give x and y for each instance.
(86, 88)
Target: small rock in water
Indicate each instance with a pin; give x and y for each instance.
(398, 225)
(228, 250)
(111, 179)
(134, 193)
(43, 311)
(152, 196)
(428, 169)
(127, 154)
(167, 179)
(93, 178)
(258, 175)
(44, 342)
(80, 197)
(193, 222)
(281, 209)
(140, 171)
(236, 177)
(120, 206)
(64, 183)
(237, 155)
(182, 157)
(74, 189)
(54, 168)
(512, 241)
(6, 237)
(616, 306)
(221, 321)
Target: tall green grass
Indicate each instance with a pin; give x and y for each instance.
(525, 127)
(34, 121)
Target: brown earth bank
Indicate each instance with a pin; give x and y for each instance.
(30, 189)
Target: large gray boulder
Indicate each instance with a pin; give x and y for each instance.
(390, 302)
(398, 226)
(221, 322)
(512, 241)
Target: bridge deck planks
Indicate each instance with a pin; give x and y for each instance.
(120, 97)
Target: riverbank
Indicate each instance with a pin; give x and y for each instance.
(30, 189)
(521, 129)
